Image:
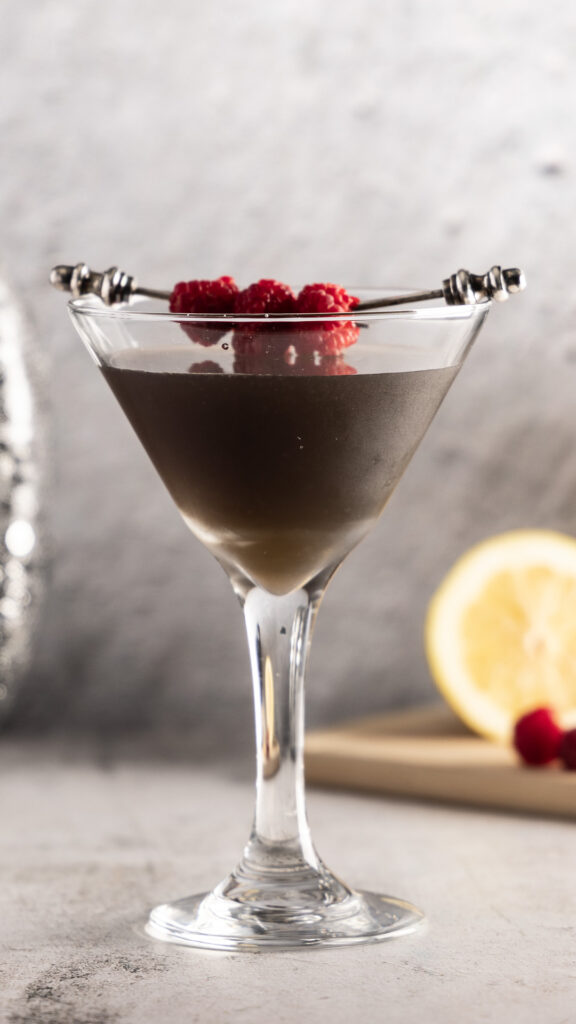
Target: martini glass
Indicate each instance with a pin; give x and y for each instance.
(279, 463)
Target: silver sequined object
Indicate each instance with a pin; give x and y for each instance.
(22, 456)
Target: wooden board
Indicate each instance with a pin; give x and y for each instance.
(427, 753)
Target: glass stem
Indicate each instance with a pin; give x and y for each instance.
(279, 632)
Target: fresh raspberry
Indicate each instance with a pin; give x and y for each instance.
(259, 346)
(266, 296)
(537, 737)
(325, 298)
(567, 751)
(217, 296)
(262, 341)
(328, 338)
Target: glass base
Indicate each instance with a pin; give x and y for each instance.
(214, 921)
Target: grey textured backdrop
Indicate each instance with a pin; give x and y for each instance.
(379, 141)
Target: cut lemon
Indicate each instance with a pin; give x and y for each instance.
(501, 631)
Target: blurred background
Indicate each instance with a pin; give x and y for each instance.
(374, 142)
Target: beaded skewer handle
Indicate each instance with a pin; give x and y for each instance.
(461, 289)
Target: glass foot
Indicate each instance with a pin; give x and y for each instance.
(214, 921)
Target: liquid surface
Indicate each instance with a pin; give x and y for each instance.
(279, 476)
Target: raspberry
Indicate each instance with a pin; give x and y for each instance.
(537, 737)
(217, 296)
(265, 347)
(266, 296)
(259, 342)
(328, 338)
(567, 751)
(325, 298)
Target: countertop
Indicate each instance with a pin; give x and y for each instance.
(90, 838)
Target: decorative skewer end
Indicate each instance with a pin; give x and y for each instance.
(464, 288)
(60, 278)
(111, 286)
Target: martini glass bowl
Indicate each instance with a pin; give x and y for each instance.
(280, 457)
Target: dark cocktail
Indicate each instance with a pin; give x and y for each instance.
(280, 462)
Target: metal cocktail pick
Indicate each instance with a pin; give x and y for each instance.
(461, 289)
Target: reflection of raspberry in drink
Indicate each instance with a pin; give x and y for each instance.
(281, 363)
(207, 366)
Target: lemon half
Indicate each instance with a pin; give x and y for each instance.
(501, 631)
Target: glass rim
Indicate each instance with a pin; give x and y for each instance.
(90, 306)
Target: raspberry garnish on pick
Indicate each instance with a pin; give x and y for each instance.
(325, 298)
(328, 338)
(265, 296)
(538, 737)
(260, 346)
(262, 341)
(217, 296)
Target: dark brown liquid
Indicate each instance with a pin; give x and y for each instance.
(279, 476)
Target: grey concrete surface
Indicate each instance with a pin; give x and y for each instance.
(79, 871)
(374, 142)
